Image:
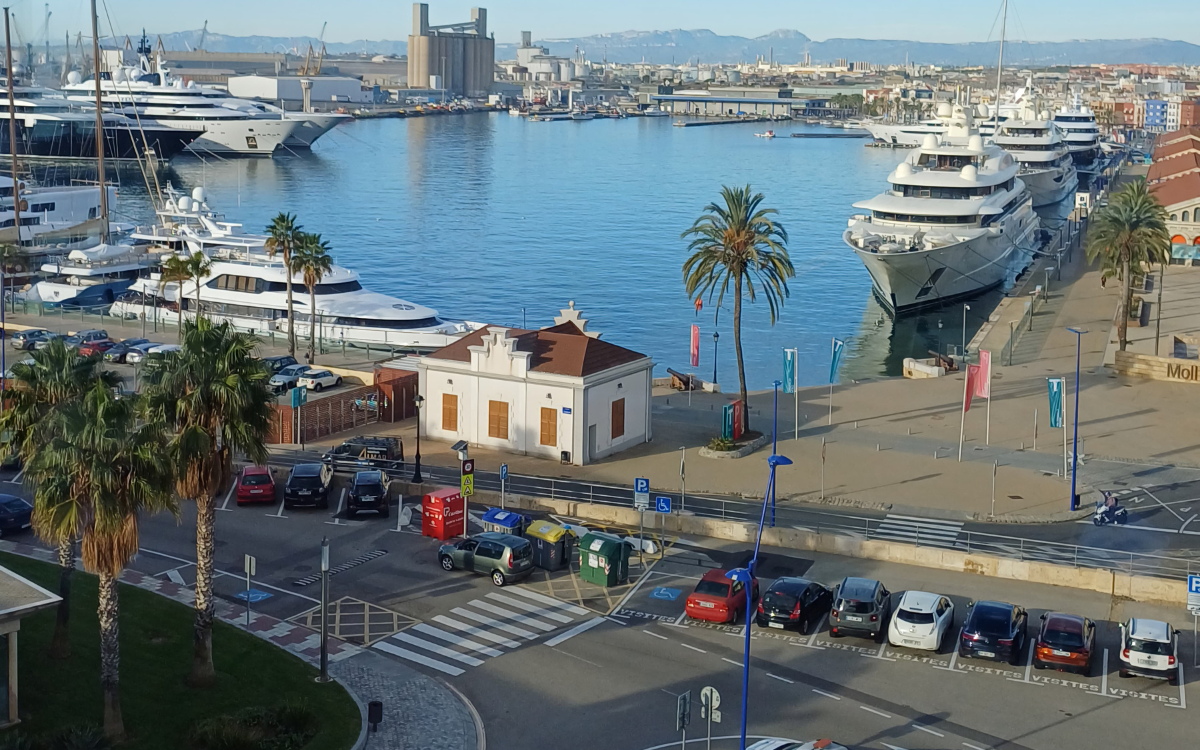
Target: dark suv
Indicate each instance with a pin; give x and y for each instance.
(994, 630)
(308, 484)
(860, 605)
(275, 364)
(368, 492)
(359, 452)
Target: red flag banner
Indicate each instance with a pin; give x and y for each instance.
(972, 385)
(695, 346)
(983, 386)
(738, 406)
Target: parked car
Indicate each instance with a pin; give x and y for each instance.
(718, 598)
(994, 630)
(137, 352)
(44, 340)
(316, 380)
(308, 484)
(378, 452)
(1065, 642)
(861, 605)
(921, 620)
(285, 379)
(793, 604)
(27, 339)
(15, 513)
(275, 364)
(100, 346)
(1149, 648)
(8, 374)
(118, 351)
(163, 348)
(83, 337)
(255, 485)
(502, 557)
(369, 491)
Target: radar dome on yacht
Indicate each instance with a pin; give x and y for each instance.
(74, 78)
(983, 110)
(969, 173)
(185, 203)
(944, 109)
(975, 144)
(904, 169)
(198, 194)
(118, 75)
(930, 142)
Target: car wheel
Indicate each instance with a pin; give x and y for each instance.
(498, 578)
(447, 563)
(385, 511)
(1123, 673)
(1173, 680)
(804, 626)
(318, 387)
(1038, 665)
(337, 382)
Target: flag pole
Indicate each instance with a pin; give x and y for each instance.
(987, 434)
(796, 388)
(962, 423)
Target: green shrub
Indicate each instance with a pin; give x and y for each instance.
(289, 726)
(13, 740)
(83, 737)
(720, 444)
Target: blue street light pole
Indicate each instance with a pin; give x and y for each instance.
(746, 577)
(1075, 438)
(774, 443)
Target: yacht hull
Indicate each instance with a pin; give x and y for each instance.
(73, 140)
(312, 127)
(1050, 186)
(239, 137)
(70, 295)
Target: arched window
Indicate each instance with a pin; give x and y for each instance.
(1174, 217)
(1179, 239)
(1186, 217)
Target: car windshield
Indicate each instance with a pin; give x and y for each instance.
(785, 599)
(1062, 638)
(854, 606)
(915, 618)
(991, 621)
(254, 480)
(713, 588)
(307, 483)
(1154, 648)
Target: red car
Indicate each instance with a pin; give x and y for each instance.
(255, 485)
(88, 348)
(718, 598)
(1066, 643)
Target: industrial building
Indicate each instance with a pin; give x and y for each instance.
(325, 93)
(457, 57)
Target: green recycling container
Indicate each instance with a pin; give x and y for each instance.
(603, 559)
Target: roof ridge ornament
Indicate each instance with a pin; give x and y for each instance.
(571, 315)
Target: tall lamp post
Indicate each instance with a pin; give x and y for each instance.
(1075, 438)
(715, 337)
(774, 447)
(963, 353)
(416, 477)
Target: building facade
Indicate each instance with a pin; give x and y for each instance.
(458, 57)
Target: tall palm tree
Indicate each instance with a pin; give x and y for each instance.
(198, 267)
(213, 395)
(176, 270)
(311, 259)
(102, 466)
(285, 236)
(1129, 233)
(738, 243)
(57, 376)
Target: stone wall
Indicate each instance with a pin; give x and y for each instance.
(1157, 368)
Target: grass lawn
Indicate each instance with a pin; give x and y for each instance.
(156, 655)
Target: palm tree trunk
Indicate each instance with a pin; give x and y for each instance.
(203, 673)
(179, 304)
(197, 298)
(60, 643)
(737, 347)
(110, 658)
(312, 324)
(1126, 292)
(287, 266)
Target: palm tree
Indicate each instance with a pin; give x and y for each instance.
(57, 376)
(213, 394)
(176, 270)
(311, 258)
(738, 243)
(198, 267)
(101, 467)
(1130, 232)
(285, 237)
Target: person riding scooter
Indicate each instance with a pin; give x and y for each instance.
(1110, 511)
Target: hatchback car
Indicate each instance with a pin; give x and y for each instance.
(369, 491)
(83, 337)
(285, 379)
(275, 364)
(316, 380)
(255, 485)
(994, 630)
(118, 351)
(163, 348)
(15, 514)
(308, 484)
(502, 557)
(44, 340)
(1065, 642)
(921, 620)
(138, 352)
(1149, 648)
(100, 346)
(718, 598)
(27, 339)
(860, 605)
(793, 604)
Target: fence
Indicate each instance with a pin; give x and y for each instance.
(344, 410)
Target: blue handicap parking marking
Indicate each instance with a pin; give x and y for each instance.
(662, 592)
(662, 504)
(254, 595)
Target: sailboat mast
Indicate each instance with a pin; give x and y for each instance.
(12, 130)
(99, 128)
(999, 71)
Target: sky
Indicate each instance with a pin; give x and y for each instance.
(920, 20)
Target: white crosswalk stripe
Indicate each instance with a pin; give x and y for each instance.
(510, 615)
(549, 614)
(930, 532)
(449, 653)
(456, 640)
(550, 601)
(476, 631)
(497, 624)
(412, 656)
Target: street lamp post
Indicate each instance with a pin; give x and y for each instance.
(324, 610)
(963, 353)
(774, 444)
(416, 477)
(715, 337)
(1075, 438)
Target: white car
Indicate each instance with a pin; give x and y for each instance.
(315, 380)
(163, 348)
(138, 353)
(921, 620)
(777, 744)
(1149, 649)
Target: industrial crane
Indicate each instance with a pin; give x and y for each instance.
(304, 70)
(203, 36)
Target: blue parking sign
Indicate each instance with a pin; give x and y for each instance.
(1193, 594)
(504, 471)
(662, 504)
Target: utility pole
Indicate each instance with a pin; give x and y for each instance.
(99, 129)
(12, 130)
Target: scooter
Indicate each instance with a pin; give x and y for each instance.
(1117, 514)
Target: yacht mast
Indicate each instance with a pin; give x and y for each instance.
(99, 128)
(999, 72)
(12, 131)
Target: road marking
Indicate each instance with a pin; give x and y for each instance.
(645, 577)
(1104, 677)
(546, 612)
(880, 654)
(613, 619)
(737, 664)
(679, 620)
(927, 729)
(456, 640)
(827, 695)
(175, 577)
(693, 648)
(17, 477)
(550, 601)
(953, 661)
(510, 615)
(875, 711)
(521, 632)
(580, 628)
(1164, 505)
(279, 513)
(656, 635)
(1190, 519)
(1028, 669)
(1182, 695)
(475, 631)
(929, 531)
(337, 514)
(781, 679)
(412, 640)
(225, 505)
(812, 638)
(973, 747)
(891, 747)
(404, 653)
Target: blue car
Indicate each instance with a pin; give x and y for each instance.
(15, 514)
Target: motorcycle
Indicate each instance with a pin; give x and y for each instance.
(1116, 514)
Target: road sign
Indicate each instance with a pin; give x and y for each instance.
(252, 595)
(504, 471)
(248, 565)
(662, 504)
(467, 484)
(664, 593)
(1193, 598)
(710, 699)
(641, 494)
(683, 711)
(468, 466)
(299, 397)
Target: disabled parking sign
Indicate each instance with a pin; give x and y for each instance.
(1193, 597)
(662, 504)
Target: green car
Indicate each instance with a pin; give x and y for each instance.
(503, 557)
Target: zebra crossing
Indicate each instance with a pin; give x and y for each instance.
(482, 629)
(930, 532)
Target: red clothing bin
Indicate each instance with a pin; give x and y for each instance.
(444, 514)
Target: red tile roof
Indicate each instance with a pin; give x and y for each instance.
(1187, 145)
(1173, 168)
(560, 350)
(1174, 136)
(1176, 191)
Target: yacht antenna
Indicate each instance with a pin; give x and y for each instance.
(12, 130)
(999, 72)
(99, 129)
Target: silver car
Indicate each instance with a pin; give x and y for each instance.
(285, 379)
(138, 353)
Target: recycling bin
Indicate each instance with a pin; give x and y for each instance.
(551, 545)
(603, 559)
(444, 514)
(504, 522)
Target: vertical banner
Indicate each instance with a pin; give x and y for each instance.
(727, 421)
(789, 370)
(972, 388)
(983, 386)
(695, 346)
(838, 346)
(738, 418)
(1056, 387)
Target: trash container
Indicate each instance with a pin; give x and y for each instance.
(603, 559)
(444, 514)
(504, 522)
(551, 545)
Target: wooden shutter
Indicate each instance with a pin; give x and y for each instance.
(549, 426)
(450, 412)
(618, 418)
(498, 419)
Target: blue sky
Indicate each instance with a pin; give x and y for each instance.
(922, 20)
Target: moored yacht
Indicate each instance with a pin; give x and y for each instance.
(92, 277)
(948, 227)
(1047, 168)
(1080, 131)
(62, 216)
(913, 134)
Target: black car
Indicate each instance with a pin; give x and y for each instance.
(368, 492)
(359, 452)
(793, 603)
(275, 364)
(14, 514)
(117, 352)
(308, 485)
(994, 630)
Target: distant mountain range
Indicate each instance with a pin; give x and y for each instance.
(785, 45)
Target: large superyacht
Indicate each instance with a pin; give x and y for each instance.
(1080, 131)
(1047, 168)
(948, 226)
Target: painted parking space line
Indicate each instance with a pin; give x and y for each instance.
(17, 477)
(225, 505)
(827, 695)
(922, 728)
(612, 618)
(781, 679)
(880, 654)
(1182, 695)
(953, 661)
(678, 620)
(875, 711)
(656, 635)
(337, 514)
(1028, 669)
(1104, 678)
(699, 650)
(582, 627)
(278, 513)
(969, 746)
(175, 577)
(891, 747)
(812, 639)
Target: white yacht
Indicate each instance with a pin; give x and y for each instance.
(948, 227)
(913, 134)
(312, 126)
(1047, 168)
(62, 216)
(92, 277)
(1080, 131)
(249, 289)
